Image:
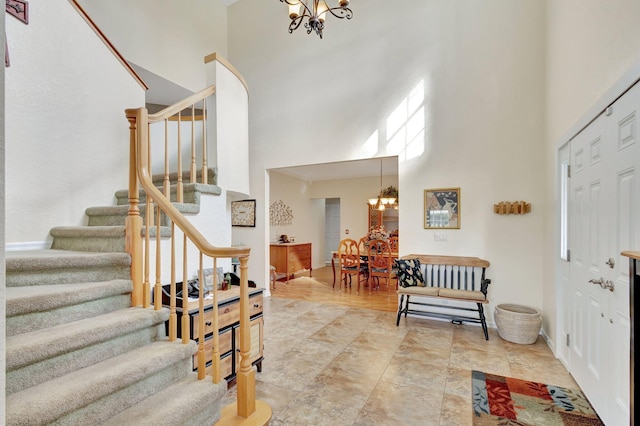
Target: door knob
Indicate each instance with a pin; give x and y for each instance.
(611, 262)
(598, 281)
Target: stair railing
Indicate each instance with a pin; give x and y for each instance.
(159, 203)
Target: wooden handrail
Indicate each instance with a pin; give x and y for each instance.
(140, 115)
(183, 104)
(159, 203)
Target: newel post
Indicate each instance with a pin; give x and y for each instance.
(133, 223)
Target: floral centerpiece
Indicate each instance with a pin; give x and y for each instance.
(377, 233)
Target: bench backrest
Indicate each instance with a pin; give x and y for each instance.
(454, 272)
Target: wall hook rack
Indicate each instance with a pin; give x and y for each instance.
(512, 207)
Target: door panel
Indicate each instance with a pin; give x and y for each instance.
(604, 211)
(587, 235)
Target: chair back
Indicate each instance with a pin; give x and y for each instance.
(349, 254)
(393, 244)
(379, 256)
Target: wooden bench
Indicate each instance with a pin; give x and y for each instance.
(450, 278)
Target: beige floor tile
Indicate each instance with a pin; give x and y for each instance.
(327, 364)
(404, 402)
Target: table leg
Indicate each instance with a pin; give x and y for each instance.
(333, 269)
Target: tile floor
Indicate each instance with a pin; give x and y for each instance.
(327, 364)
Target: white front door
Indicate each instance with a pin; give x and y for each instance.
(604, 211)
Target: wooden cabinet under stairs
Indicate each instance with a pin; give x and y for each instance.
(229, 331)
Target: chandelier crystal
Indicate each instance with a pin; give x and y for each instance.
(315, 12)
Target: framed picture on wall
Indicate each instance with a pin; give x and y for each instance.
(243, 213)
(442, 208)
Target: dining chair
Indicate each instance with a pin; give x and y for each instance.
(351, 264)
(380, 264)
(393, 244)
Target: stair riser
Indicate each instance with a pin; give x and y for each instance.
(103, 409)
(119, 219)
(64, 315)
(188, 196)
(58, 366)
(100, 245)
(67, 275)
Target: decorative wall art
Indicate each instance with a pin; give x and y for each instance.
(442, 208)
(243, 213)
(280, 214)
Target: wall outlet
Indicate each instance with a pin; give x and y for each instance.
(440, 236)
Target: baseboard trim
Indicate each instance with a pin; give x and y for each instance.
(29, 245)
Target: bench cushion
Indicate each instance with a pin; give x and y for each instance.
(419, 291)
(409, 273)
(474, 296)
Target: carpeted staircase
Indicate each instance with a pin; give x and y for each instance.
(77, 353)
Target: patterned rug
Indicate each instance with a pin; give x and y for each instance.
(505, 401)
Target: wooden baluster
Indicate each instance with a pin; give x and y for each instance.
(173, 321)
(179, 189)
(215, 356)
(246, 378)
(133, 223)
(205, 174)
(193, 170)
(167, 183)
(186, 332)
(146, 289)
(157, 292)
(201, 358)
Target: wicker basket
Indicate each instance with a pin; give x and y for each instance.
(517, 323)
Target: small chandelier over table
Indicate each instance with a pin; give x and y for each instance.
(386, 197)
(315, 12)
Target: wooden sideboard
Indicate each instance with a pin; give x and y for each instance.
(289, 258)
(229, 330)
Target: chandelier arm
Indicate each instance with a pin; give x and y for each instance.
(295, 23)
(343, 12)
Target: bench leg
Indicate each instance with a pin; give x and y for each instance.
(483, 321)
(399, 310)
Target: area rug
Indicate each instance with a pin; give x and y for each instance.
(499, 400)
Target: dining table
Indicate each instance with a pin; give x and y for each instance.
(364, 257)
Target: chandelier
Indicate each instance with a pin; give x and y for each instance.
(315, 11)
(386, 197)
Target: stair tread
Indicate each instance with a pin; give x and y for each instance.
(68, 393)
(27, 299)
(55, 259)
(167, 407)
(28, 348)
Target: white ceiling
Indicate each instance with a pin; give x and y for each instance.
(343, 170)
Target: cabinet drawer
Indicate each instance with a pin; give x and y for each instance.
(225, 346)
(301, 251)
(255, 305)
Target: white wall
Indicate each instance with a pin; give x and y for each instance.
(307, 225)
(67, 136)
(473, 70)
(591, 44)
(353, 195)
(165, 37)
